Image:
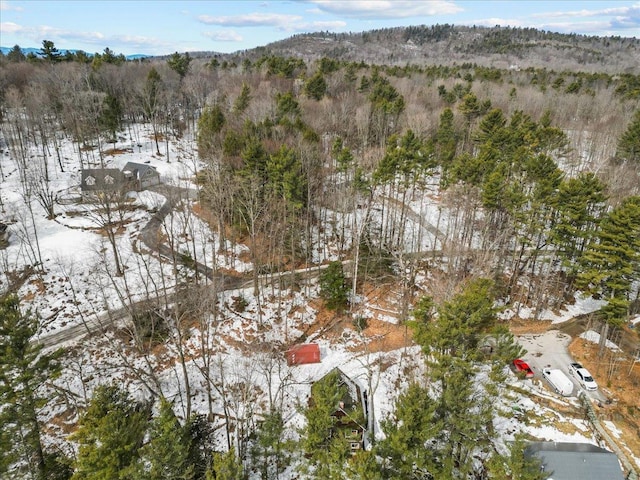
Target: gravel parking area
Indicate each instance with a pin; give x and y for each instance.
(549, 350)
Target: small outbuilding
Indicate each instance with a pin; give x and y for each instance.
(575, 461)
(303, 354)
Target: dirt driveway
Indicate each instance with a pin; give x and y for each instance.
(549, 350)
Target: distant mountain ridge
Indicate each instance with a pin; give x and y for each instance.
(500, 47)
(36, 51)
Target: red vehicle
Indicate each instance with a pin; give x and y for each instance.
(523, 367)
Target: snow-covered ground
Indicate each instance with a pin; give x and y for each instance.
(76, 280)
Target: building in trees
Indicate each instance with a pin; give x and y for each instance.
(347, 406)
(576, 461)
(100, 180)
(141, 175)
(133, 176)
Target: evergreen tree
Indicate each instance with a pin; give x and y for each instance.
(151, 99)
(271, 453)
(287, 108)
(326, 449)
(516, 465)
(200, 441)
(179, 63)
(285, 177)
(406, 450)
(111, 115)
(166, 456)
(316, 86)
(15, 55)
(629, 144)
(611, 263)
(333, 287)
(460, 323)
(579, 209)
(24, 372)
(210, 124)
(226, 466)
(50, 52)
(446, 140)
(109, 436)
(242, 102)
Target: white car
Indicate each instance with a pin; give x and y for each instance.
(583, 376)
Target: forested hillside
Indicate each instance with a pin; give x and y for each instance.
(347, 191)
(499, 47)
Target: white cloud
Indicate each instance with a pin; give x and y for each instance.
(10, 27)
(252, 20)
(57, 35)
(381, 9)
(223, 36)
(285, 23)
(590, 13)
(5, 6)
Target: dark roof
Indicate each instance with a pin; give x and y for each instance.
(576, 461)
(100, 179)
(139, 169)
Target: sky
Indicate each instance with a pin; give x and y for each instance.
(163, 27)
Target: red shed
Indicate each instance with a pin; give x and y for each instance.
(302, 354)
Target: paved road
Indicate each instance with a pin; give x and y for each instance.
(550, 350)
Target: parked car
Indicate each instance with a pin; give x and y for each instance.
(523, 367)
(583, 376)
(559, 381)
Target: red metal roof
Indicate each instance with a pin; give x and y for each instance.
(303, 354)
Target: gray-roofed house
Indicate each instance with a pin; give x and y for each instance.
(576, 461)
(142, 175)
(99, 180)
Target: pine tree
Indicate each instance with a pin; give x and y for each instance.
(109, 436)
(579, 208)
(460, 322)
(200, 441)
(166, 455)
(24, 371)
(629, 144)
(285, 177)
(611, 263)
(179, 63)
(151, 98)
(210, 124)
(516, 465)
(111, 115)
(316, 87)
(242, 102)
(446, 140)
(226, 466)
(406, 450)
(333, 287)
(50, 52)
(15, 55)
(271, 453)
(325, 448)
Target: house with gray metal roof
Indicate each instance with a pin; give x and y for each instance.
(141, 174)
(101, 180)
(576, 461)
